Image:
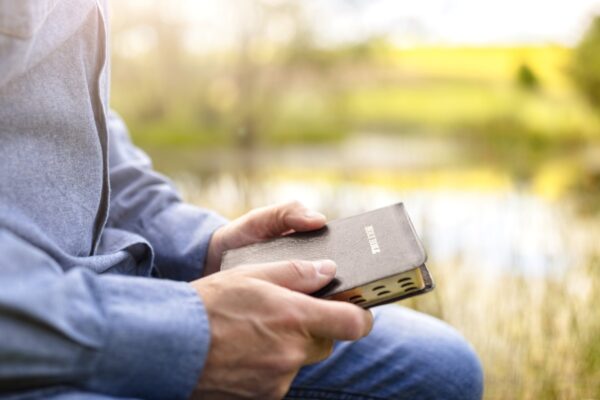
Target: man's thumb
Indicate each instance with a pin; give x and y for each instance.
(298, 275)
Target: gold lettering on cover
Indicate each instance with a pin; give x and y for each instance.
(372, 239)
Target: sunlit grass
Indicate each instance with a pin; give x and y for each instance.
(537, 337)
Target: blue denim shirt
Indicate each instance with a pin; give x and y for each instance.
(86, 225)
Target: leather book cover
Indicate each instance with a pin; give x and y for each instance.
(379, 256)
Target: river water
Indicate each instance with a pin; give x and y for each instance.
(466, 214)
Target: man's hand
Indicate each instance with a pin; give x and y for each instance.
(258, 225)
(264, 329)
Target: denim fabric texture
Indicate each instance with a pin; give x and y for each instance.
(96, 247)
(408, 355)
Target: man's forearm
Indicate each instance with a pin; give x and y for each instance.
(145, 202)
(118, 335)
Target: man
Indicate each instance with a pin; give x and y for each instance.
(96, 252)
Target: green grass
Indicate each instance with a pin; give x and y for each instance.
(177, 135)
(432, 107)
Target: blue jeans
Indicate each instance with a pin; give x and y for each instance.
(408, 355)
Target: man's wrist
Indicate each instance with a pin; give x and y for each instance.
(214, 252)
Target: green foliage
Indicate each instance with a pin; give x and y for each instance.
(527, 78)
(586, 64)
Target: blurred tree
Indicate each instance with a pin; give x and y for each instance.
(527, 78)
(256, 87)
(152, 42)
(586, 65)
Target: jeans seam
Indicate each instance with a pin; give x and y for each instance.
(312, 393)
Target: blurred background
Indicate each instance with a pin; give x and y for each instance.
(482, 117)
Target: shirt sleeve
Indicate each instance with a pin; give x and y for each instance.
(116, 335)
(145, 202)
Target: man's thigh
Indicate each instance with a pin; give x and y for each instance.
(408, 355)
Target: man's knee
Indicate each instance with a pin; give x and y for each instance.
(60, 393)
(441, 364)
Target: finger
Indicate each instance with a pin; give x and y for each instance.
(302, 219)
(276, 220)
(297, 275)
(336, 319)
(283, 385)
(320, 348)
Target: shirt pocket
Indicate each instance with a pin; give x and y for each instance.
(23, 18)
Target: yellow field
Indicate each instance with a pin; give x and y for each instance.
(491, 64)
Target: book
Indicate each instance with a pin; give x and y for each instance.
(379, 256)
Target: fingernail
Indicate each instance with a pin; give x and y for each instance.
(311, 214)
(325, 267)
